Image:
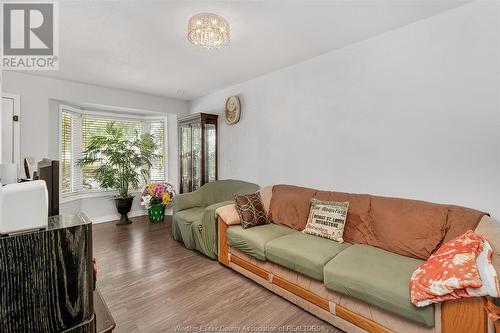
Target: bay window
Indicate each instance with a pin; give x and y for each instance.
(78, 127)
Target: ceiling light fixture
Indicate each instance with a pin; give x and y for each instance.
(208, 30)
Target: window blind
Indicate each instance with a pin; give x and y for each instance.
(66, 152)
(157, 129)
(77, 129)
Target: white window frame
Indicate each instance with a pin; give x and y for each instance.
(79, 193)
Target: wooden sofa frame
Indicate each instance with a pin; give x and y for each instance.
(459, 316)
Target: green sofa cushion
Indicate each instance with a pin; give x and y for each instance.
(183, 223)
(303, 253)
(252, 241)
(377, 277)
(190, 215)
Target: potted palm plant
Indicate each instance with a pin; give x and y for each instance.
(119, 163)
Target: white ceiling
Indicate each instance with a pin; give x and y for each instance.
(142, 45)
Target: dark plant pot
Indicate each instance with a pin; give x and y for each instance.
(124, 205)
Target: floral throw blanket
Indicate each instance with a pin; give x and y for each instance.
(460, 268)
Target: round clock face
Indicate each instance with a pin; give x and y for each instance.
(232, 110)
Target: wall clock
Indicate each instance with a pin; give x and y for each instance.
(232, 110)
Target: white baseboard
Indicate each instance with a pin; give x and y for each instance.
(116, 217)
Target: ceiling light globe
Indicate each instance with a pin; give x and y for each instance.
(208, 30)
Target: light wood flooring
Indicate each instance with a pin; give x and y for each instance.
(151, 283)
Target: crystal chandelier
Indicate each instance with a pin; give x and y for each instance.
(208, 30)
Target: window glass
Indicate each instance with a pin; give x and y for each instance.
(66, 163)
(77, 129)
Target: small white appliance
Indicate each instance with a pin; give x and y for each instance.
(23, 207)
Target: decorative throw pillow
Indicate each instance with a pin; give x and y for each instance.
(327, 219)
(460, 268)
(251, 210)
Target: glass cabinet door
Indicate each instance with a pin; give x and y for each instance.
(196, 155)
(211, 151)
(185, 158)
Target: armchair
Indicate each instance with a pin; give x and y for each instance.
(194, 222)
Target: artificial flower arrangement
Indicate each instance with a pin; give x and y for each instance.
(155, 196)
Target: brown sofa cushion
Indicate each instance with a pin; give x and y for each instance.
(408, 227)
(460, 220)
(358, 227)
(290, 205)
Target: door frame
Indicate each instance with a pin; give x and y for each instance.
(16, 128)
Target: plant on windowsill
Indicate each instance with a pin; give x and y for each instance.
(155, 197)
(119, 163)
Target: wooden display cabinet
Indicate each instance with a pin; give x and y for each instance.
(197, 150)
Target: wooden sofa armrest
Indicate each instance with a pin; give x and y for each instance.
(464, 315)
(228, 214)
(223, 245)
(226, 217)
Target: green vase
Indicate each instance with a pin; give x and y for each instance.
(156, 213)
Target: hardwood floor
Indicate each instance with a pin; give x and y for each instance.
(151, 283)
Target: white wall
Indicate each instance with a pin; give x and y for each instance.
(413, 113)
(40, 99)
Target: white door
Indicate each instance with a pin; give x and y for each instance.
(9, 129)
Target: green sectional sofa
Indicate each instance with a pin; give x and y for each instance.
(360, 285)
(194, 222)
(377, 277)
(364, 272)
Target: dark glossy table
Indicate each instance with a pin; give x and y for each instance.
(46, 278)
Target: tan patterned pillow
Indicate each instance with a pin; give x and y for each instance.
(327, 219)
(251, 210)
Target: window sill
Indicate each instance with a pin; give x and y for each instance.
(69, 197)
